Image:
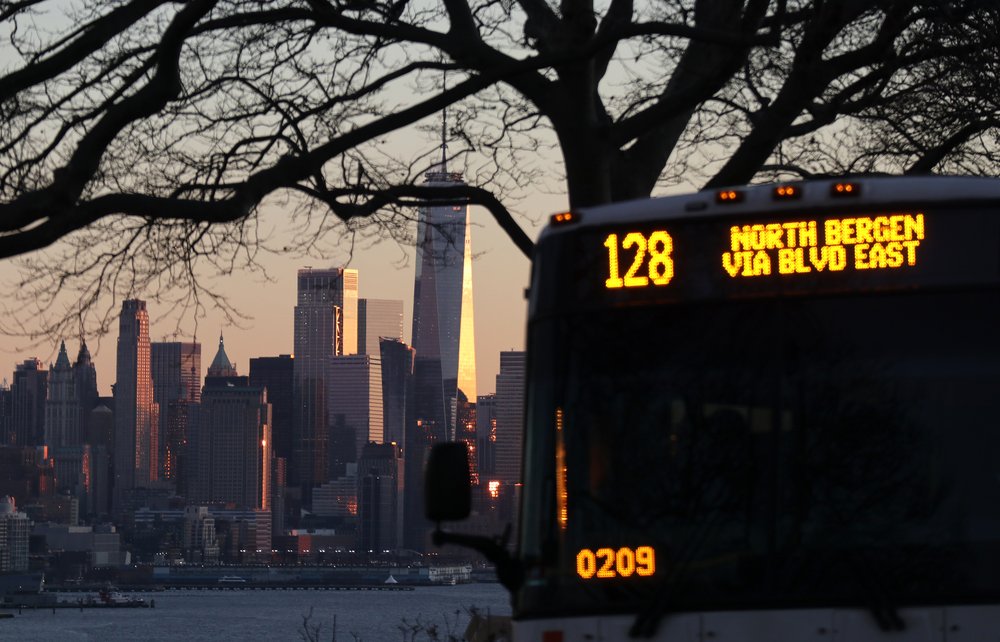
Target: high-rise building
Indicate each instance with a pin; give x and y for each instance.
(509, 418)
(397, 390)
(15, 530)
(62, 409)
(277, 375)
(176, 372)
(28, 393)
(377, 319)
(326, 324)
(444, 380)
(136, 417)
(232, 440)
(443, 328)
(486, 434)
(380, 479)
(354, 407)
(85, 381)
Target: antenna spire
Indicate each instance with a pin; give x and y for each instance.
(444, 126)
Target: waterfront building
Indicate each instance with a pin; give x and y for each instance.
(101, 543)
(326, 325)
(176, 373)
(136, 416)
(28, 393)
(380, 486)
(277, 375)
(62, 409)
(378, 319)
(15, 531)
(354, 407)
(198, 535)
(232, 439)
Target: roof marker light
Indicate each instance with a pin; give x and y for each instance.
(564, 217)
(729, 196)
(845, 189)
(786, 192)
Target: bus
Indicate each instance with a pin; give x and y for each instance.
(765, 413)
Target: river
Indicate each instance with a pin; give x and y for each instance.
(371, 616)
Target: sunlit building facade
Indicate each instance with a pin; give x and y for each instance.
(176, 368)
(136, 417)
(326, 324)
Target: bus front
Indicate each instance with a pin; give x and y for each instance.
(766, 414)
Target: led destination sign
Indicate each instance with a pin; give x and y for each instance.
(796, 247)
(791, 247)
(707, 257)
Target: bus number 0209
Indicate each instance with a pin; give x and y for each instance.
(607, 562)
(660, 266)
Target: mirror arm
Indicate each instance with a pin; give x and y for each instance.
(509, 571)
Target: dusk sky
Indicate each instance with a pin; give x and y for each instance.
(385, 271)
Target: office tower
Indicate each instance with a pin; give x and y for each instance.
(100, 437)
(397, 390)
(85, 382)
(354, 407)
(15, 530)
(486, 434)
(279, 477)
(377, 319)
(444, 380)
(28, 394)
(62, 410)
(73, 466)
(509, 418)
(443, 332)
(326, 317)
(380, 478)
(232, 440)
(6, 414)
(176, 372)
(277, 375)
(135, 410)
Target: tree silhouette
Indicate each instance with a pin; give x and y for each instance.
(147, 134)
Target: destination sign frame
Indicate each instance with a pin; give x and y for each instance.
(794, 252)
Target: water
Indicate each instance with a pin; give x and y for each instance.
(371, 616)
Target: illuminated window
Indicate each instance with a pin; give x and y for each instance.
(494, 488)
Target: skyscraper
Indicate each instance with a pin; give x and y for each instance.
(62, 411)
(397, 390)
(28, 394)
(354, 406)
(233, 440)
(176, 372)
(509, 418)
(85, 380)
(276, 374)
(135, 409)
(326, 318)
(378, 318)
(379, 488)
(444, 338)
(443, 329)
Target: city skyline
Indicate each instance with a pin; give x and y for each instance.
(386, 271)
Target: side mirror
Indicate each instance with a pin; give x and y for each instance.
(447, 484)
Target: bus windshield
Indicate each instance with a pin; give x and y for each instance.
(841, 448)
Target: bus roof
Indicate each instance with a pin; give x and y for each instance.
(872, 191)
